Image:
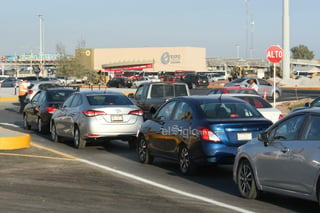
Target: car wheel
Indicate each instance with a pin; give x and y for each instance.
(78, 141)
(275, 95)
(54, 136)
(246, 181)
(143, 152)
(40, 126)
(26, 125)
(187, 167)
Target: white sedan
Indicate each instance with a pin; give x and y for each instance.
(262, 105)
(142, 80)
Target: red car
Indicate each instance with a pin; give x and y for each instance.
(233, 90)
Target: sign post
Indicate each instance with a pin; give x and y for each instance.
(274, 54)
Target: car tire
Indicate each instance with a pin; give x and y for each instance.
(246, 181)
(78, 141)
(187, 167)
(276, 95)
(41, 128)
(26, 124)
(54, 137)
(143, 151)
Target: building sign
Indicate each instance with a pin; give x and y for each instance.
(167, 58)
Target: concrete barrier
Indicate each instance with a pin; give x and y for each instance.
(10, 139)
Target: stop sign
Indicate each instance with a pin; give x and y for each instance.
(274, 54)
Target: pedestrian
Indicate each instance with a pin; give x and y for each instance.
(253, 85)
(23, 92)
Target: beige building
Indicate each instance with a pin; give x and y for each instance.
(146, 59)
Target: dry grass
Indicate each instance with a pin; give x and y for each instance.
(287, 106)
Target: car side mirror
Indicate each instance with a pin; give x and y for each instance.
(264, 138)
(131, 95)
(307, 104)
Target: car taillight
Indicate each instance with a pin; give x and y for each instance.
(51, 110)
(280, 116)
(237, 85)
(136, 112)
(198, 81)
(208, 135)
(93, 113)
(30, 92)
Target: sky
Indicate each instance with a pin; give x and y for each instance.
(226, 28)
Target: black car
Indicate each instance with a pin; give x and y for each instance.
(10, 82)
(119, 82)
(194, 80)
(40, 108)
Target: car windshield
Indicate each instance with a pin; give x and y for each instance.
(229, 110)
(108, 100)
(59, 96)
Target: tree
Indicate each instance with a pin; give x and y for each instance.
(302, 52)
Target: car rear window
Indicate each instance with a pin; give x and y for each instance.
(59, 96)
(108, 100)
(230, 110)
(256, 102)
(168, 90)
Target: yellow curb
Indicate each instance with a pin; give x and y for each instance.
(16, 140)
(9, 99)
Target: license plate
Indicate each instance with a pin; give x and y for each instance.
(116, 118)
(244, 136)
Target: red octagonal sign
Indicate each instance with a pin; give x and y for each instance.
(274, 54)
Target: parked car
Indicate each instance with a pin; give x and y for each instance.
(2, 78)
(199, 130)
(40, 108)
(96, 116)
(119, 82)
(34, 87)
(142, 80)
(284, 159)
(216, 76)
(314, 103)
(264, 87)
(10, 82)
(233, 90)
(263, 106)
(194, 81)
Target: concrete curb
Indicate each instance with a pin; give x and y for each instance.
(10, 139)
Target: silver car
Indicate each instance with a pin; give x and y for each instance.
(264, 87)
(285, 159)
(96, 116)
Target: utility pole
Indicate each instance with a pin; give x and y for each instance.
(41, 43)
(286, 41)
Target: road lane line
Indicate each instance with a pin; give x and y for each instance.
(54, 151)
(152, 183)
(39, 156)
(161, 186)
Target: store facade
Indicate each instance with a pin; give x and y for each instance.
(143, 59)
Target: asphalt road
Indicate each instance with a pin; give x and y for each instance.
(55, 177)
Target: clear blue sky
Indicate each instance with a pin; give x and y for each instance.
(217, 25)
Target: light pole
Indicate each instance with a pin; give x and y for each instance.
(41, 44)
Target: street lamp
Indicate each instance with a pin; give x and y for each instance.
(41, 44)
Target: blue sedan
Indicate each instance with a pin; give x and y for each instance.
(199, 130)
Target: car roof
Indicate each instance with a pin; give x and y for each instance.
(215, 98)
(99, 92)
